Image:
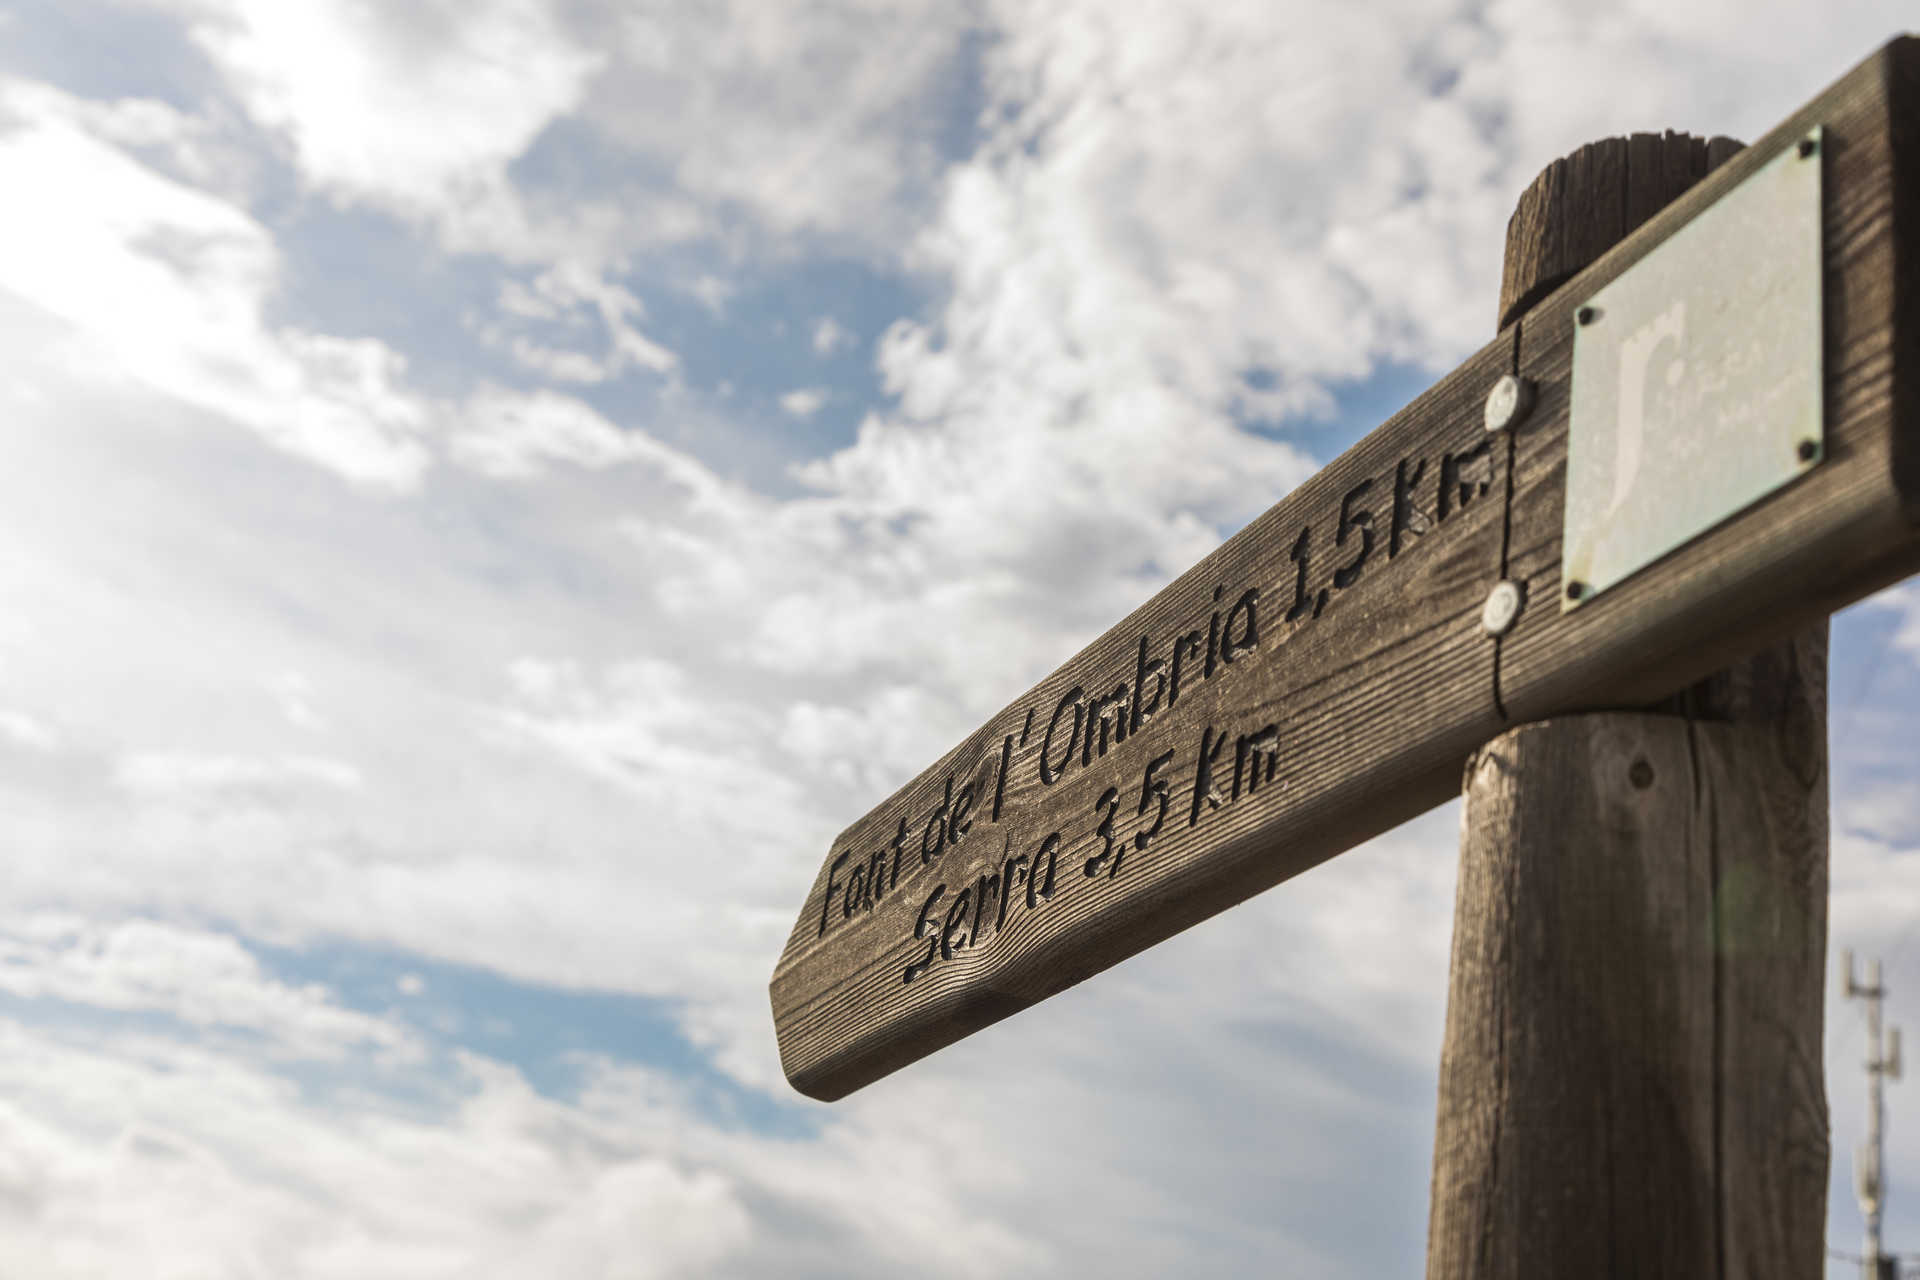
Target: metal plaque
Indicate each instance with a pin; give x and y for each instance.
(1696, 378)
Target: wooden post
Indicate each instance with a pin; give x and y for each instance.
(1631, 1080)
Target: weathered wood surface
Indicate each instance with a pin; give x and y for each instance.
(1631, 1081)
(1837, 534)
(1355, 711)
(1372, 696)
(1641, 176)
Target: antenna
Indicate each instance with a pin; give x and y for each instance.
(1883, 1062)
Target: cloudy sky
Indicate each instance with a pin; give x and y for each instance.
(489, 489)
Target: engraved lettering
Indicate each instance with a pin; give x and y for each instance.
(1097, 714)
(1000, 786)
(826, 899)
(1110, 801)
(1203, 789)
(958, 823)
(1303, 604)
(920, 930)
(1154, 789)
(1247, 608)
(933, 838)
(1455, 482)
(1407, 517)
(856, 895)
(956, 926)
(1071, 698)
(1016, 864)
(1213, 637)
(1142, 670)
(1036, 889)
(1351, 519)
(1255, 749)
(1186, 644)
(986, 884)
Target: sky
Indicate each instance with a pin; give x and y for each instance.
(489, 489)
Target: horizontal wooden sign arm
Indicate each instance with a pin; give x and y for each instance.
(1313, 682)
(1322, 675)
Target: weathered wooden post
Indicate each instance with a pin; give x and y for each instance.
(1631, 1080)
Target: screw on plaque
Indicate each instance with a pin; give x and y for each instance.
(1587, 315)
(1808, 450)
(1576, 589)
(1510, 400)
(1807, 147)
(1503, 607)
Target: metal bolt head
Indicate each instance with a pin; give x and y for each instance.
(1808, 450)
(1576, 589)
(1807, 147)
(1510, 400)
(1586, 315)
(1502, 609)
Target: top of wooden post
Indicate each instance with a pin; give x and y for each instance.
(1583, 204)
(1575, 210)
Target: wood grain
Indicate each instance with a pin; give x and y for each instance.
(1375, 702)
(1839, 533)
(1631, 1080)
(1641, 175)
(1660, 926)
(1376, 699)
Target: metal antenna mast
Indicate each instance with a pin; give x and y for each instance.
(1883, 1059)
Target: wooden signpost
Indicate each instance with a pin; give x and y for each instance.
(1324, 674)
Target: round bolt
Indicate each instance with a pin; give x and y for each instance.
(1497, 616)
(1807, 147)
(1808, 450)
(1586, 315)
(1576, 589)
(1510, 400)
(1640, 774)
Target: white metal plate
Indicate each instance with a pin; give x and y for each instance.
(1697, 378)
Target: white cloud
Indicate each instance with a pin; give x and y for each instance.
(563, 298)
(558, 365)
(830, 338)
(212, 149)
(815, 118)
(417, 108)
(205, 980)
(169, 286)
(809, 120)
(293, 692)
(1904, 600)
(206, 1156)
(803, 402)
(23, 730)
(509, 434)
(170, 773)
(596, 726)
(127, 1157)
(685, 750)
(713, 293)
